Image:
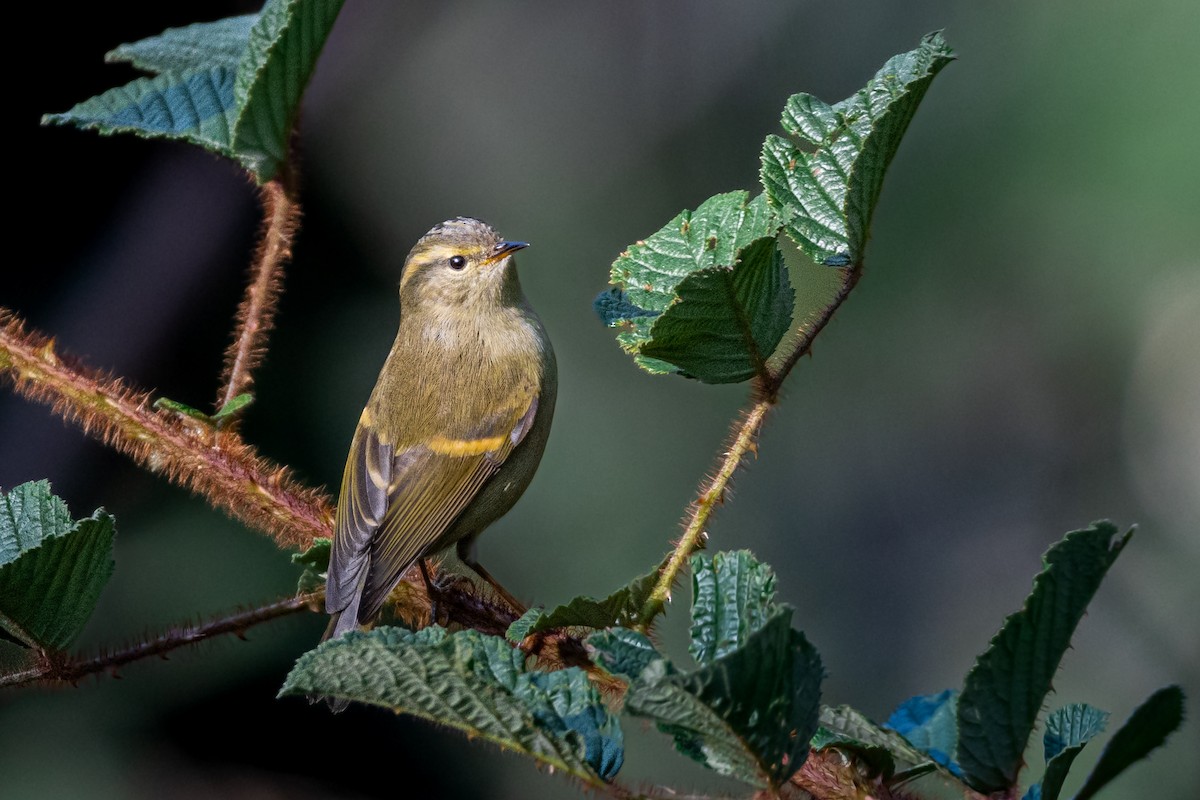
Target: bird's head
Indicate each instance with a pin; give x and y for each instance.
(460, 264)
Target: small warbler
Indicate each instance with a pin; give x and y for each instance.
(455, 426)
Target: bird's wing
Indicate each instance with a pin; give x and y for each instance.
(396, 503)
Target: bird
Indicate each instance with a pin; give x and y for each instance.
(456, 424)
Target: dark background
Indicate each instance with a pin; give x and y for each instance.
(1018, 361)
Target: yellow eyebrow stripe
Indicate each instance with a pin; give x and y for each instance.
(464, 447)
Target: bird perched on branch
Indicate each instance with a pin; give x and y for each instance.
(455, 426)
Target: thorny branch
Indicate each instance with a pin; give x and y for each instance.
(743, 440)
(63, 668)
(256, 314)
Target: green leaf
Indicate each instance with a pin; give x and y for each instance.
(315, 561)
(827, 196)
(196, 107)
(852, 725)
(875, 758)
(52, 570)
(707, 296)
(619, 608)
(283, 48)
(167, 404)
(627, 653)
(1145, 730)
(232, 86)
(733, 597)
(472, 682)
(749, 714)
(1004, 691)
(233, 407)
(1067, 730)
(200, 46)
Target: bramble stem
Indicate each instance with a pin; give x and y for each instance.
(256, 314)
(215, 464)
(743, 437)
(62, 668)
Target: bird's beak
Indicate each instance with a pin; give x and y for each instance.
(502, 251)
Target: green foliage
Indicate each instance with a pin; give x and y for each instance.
(231, 409)
(825, 186)
(843, 724)
(751, 707)
(232, 86)
(1006, 688)
(315, 561)
(52, 569)
(475, 683)
(707, 296)
(619, 608)
(1145, 730)
(734, 595)
(1067, 730)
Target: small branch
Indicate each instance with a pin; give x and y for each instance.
(743, 439)
(712, 493)
(62, 668)
(215, 464)
(256, 314)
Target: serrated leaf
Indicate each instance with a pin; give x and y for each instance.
(876, 758)
(750, 714)
(472, 682)
(1004, 692)
(733, 597)
(167, 404)
(232, 86)
(855, 726)
(283, 48)
(197, 107)
(929, 723)
(827, 196)
(628, 653)
(233, 407)
(315, 561)
(52, 570)
(706, 296)
(1145, 730)
(618, 609)
(200, 46)
(1067, 730)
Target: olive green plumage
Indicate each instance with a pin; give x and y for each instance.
(455, 426)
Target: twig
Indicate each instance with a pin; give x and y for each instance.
(215, 464)
(743, 437)
(62, 668)
(256, 314)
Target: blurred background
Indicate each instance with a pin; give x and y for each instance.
(1019, 360)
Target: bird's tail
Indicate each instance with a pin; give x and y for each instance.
(340, 622)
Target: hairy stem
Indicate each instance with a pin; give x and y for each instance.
(215, 464)
(256, 314)
(712, 492)
(743, 438)
(62, 668)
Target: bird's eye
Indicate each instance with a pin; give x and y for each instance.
(457, 262)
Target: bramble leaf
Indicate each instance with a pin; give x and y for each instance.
(826, 190)
(52, 569)
(315, 561)
(1145, 730)
(475, 683)
(733, 597)
(232, 86)
(1004, 691)
(707, 296)
(1067, 730)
